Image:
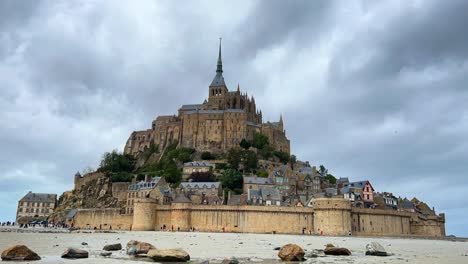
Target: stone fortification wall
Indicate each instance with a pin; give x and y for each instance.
(378, 222)
(330, 216)
(119, 190)
(246, 219)
(430, 226)
(83, 180)
(102, 218)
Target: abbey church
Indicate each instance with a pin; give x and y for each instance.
(216, 125)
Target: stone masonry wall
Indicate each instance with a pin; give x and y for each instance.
(329, 217)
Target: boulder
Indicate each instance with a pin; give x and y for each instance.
(105, 253)
(232, 260)
(74, 253)
(135, 247)
(337, 251)
(277, 248)
(291, 252)
(84, 243)
(19, 252)
(168, 255)
(375, 249)
(112, 247)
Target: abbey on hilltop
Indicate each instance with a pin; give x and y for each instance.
(216, 125)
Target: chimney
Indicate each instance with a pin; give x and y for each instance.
(314, 170)
(147, 178)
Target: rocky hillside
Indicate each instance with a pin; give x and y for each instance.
(96, 193)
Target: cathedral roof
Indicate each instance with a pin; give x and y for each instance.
(191, 106)
(215, 111)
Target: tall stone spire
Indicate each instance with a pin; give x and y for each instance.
(219, 79)
(219, 67)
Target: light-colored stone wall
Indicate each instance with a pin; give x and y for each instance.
(330, 216)
(378, 222)
(83, 180)
(119, 190)
(102, 218)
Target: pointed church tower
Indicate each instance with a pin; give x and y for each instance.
(218, 87)
(281, 125)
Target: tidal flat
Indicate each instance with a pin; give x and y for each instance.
(214, 247)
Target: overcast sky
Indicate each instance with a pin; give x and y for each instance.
(373, 90)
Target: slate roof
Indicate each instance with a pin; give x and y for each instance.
(165, 190)
(305, 170)
(214, 111)
(71, 213)
(191, 106)
(181, 199)
(218, 80)
(270, 193)
(200, 184)
(359, 184)
(258, 180)
(142, 185)
(331, 191)
(250, 123)
(197, 164)
(39, 197)
(254, 193)
(407, 204)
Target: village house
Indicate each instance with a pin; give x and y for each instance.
(209, 193)
(36, 205)
(152, 187)
(310, 181)
(406, 205)
(196, 166)
(285, 179)
(264, 196)
(366, 191)
(255, 183)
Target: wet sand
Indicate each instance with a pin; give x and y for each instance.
(248, 248)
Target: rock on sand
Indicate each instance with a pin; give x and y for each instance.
(169, 255)
(375, 249)
(291, 252)
(74, 253)
(135, 247)
(336, 251)
(19, 252)
(112, 247)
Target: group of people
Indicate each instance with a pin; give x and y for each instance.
(8, 223)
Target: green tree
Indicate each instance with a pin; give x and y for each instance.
(323, 171)
(282, 156)
(172, 174)
(184, 157)
(202, 177)
(267, 152)
(260, 141)
(234, 158)
(232, 180)
(262, 173)
(244, 144)
(249, 160)
(206, 155)
(292, 160)
(331, 179)
(116, 162)
(121, 176)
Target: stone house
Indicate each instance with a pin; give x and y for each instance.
(255, 183)
(196, 166)
(208, 193)
(152, 187)
(36, 205)
(267, 196)
(406, 205)
(285, 179)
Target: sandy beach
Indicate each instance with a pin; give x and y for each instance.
(248, 248)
